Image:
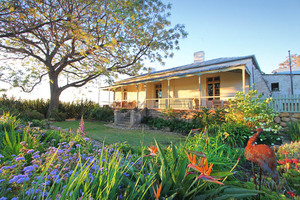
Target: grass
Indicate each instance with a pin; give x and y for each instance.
(98, 131)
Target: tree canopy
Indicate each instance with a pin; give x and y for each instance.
(78, 40)
(285, 66)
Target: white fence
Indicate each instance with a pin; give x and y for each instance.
(286, 103)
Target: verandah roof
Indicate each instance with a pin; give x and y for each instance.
(186, 70)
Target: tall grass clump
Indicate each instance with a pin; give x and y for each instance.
(294, 131)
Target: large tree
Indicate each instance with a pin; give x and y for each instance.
(79, 40)
(285, 66)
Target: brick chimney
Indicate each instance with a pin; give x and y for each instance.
(199, 56)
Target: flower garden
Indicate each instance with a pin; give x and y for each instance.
(39, 163)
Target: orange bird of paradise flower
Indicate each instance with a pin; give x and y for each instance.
(157, 192)
(202, 167)
(153, 151)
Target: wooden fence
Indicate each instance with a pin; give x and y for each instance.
(286, 103)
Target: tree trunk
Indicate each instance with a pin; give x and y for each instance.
(55, 92)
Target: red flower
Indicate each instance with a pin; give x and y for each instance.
(157, 192)
(289, 161)
(153, 151)
(295, 161)
(281, 162)
(292, 194)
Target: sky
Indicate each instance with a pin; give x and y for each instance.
(220, 28)
(231, 28)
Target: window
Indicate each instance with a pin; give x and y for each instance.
(158, 92)
(213, 87)
(274, 87)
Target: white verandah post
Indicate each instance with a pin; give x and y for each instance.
(145, 85)
(109, 96)
(244, 79)
(168, 93)
(199, 82)
(137, 96)
(121, 96)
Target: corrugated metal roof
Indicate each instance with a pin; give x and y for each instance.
(192, 68)
(183, 73)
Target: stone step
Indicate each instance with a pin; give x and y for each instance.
(124, 120)
(126, 125)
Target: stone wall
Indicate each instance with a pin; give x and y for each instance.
(284, 118)
(185, 115)
(260, 84)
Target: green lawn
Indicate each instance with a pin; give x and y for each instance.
(98, 131)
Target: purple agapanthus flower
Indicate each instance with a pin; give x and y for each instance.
(20, 158)
(21, 180)
(30, 151)
(35, 156)
(1, 156)
(13, 166)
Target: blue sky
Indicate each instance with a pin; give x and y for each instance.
(230, 28)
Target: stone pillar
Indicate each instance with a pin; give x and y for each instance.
(117, 115)
(135, 117)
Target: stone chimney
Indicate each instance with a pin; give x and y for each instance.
(199, 56)
(151, 69)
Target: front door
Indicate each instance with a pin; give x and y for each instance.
(213, 88)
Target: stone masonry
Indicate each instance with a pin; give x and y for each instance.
(284, 118)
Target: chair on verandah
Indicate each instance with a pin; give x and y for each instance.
(133, 104)
(195, 103)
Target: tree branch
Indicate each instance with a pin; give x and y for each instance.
(24, 51)
(27, 30)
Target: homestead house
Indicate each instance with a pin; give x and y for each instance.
(199, 84)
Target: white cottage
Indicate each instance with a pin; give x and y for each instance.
(200, 84)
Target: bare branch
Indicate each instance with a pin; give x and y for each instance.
(28, 30)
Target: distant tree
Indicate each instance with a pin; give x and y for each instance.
(78, 41)
(285, 66)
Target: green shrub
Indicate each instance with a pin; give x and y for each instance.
(30, 115)
(209, 117)
(102, 114)
(235, 134)
(292, 148)
(251, 110)
(123, 110)
(58, 116)
(70, 109)
(175, 125)
(294, 131)
(40, 123)
(180, 126)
